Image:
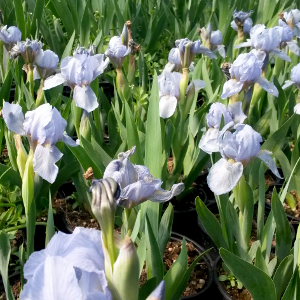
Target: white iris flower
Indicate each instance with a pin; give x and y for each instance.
(168, 83)
(78, 72)
(295, 78)
(44, 127)
(136, 182)
(245, 71)
(232, 115)
(237, 150)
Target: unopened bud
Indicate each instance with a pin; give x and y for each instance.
(124, 36)
(187, 55)
(126, 271)
(21, 155)
(84, 128)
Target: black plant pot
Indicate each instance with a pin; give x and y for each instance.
(185, 215)
(208, 290)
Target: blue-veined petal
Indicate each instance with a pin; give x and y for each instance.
(44, 161)
(54, 81)
(224, 176)
(162, 195)
(13, 117)
(85, 98)
(231, 87)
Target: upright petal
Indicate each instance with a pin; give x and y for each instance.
(85, 98)
(265, 156)
(224, 176)
(167, 106)
(13, 117)
(268, 86)
(237, 113)
(44, 162)
(162, 195)
(53, 279)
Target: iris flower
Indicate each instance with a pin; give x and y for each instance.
(169, 92)
(287, 34)
(243, 20)
(266, 40)
(45, 63)
(244, 72)
(27, 50)
(237, 150)
(78, 72)
(295, 78)
(292, 18)
(136, 182)
(10, 36)
(232, 115)
(44, 127)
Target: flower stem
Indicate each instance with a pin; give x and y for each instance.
(40, 99)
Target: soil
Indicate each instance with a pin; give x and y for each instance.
(233, 292)
(199, 276)
(4, 156)
(294, 213)
(74, 217)
(15, 285)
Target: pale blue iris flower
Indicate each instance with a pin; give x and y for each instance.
(10, 36)
(287, 35)
(292, 18)
(242, 19)
(233, 114)
(78, 72)
(27, 50)
(168, 83)
(237, 150)
(245, 71)
(265, 39)
(45, 63)
(44, 127)
(295, 78)
(136, 182)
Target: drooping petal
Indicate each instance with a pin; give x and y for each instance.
(54, 81)
(293, 46)
(205, 51)
(158, 293)
(265, 156)
(44, 162)
(221, 50)
(167, 106)
(68, 140)
(245, 44)
(268, 86)
(138, 192)
(53, 279)
(237, 113)
(209, 141)
(231, 87)
(224, 176)
(287, 84)
(281, 54)
(162, 195)
(85, 98)
(13, 117)
(199, 84)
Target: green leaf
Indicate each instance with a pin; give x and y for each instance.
(69, 47)
(5, 88)
(210, 224)
(147, 288)
(165, 228)
(133, 137)
(176, 272)
(292, 290)
(50, 230)
(141, 251)
(119, 16)
(153, 144)
(183, 283)
(9, 176)
(283, 275)
(283, 230)
(250, 276)
(85, 28)
(4, 261)
(260, 262)
(153, 258)
(18, 7)
(37, 16)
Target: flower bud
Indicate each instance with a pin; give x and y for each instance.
(21, 155)
(84, 128)
(126, 271)
(28, 184)
(124, 35)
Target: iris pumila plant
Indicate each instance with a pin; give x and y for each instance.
(43, 127)
(9, 36)
(80, 265)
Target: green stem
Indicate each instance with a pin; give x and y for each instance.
(40, 99)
